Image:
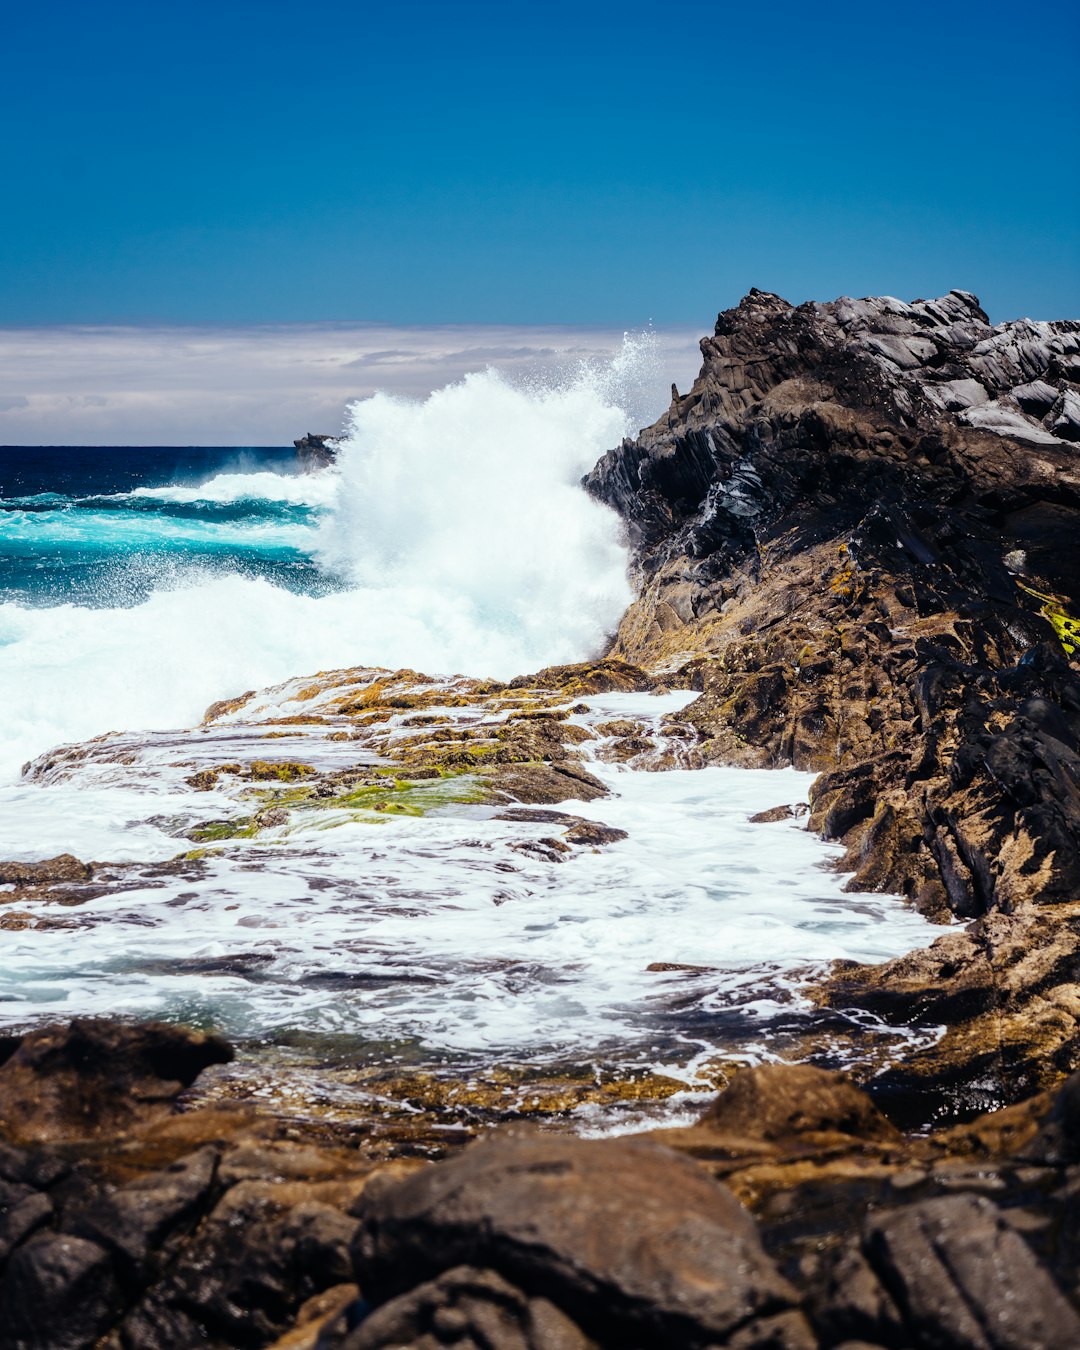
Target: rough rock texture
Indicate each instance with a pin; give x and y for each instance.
(94, 1076)
(856, 535)
(793, 1216)
(127, 1225)
(627, 1239)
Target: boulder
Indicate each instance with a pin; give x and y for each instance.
(98, 1077)
(792, 1104)
(633, 1244)
(467, 1307)
(58, 1293)
(964, 1279)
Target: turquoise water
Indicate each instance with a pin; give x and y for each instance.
(104, 526)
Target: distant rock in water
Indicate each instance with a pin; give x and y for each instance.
(857, 536)
(316, 452)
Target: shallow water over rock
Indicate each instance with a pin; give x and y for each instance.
(336, 868)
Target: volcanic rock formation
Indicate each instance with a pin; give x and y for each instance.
(857, 536)
(792, 1216)
(316, 452)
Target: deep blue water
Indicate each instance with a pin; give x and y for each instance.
(105, 525)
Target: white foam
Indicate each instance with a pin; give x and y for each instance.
(458, 523)
(314, 489)
(441, 930)
(472, 499)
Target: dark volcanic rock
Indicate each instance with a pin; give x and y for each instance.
(1058, 1142)
(134, 1221)
(962, 1277)
(856, 537)
(58, 1293)
(633, 1244)
(316, 452)
(265, 1248)
(98, 1077)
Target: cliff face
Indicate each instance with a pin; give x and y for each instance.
(858, 535)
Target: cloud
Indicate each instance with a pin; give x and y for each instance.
(267, 385)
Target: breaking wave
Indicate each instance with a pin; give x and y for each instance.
(452, 536)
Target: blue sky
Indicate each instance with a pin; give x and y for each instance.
(555, 163)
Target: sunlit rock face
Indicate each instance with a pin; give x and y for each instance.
(856, 535)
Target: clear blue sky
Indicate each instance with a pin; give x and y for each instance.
(550, 162)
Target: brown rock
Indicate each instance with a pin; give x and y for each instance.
(49, 872)
(588, 677)
(96, 1077)
(634, 1244)
(786, 1103)
(468, 1307)
(546, 784)
(592, 834)
(774, 813)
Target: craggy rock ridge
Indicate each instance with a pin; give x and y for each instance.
(792, 1216)
(857, 535)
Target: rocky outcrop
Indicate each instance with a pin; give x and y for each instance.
(828, 1228)
(855, 536)
(316, 452)
(792, 1216)
(128, 1224)
(94, 1077)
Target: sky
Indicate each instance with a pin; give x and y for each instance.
(565, 165)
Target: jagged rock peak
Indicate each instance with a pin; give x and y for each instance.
(1017, 378)
(794, 379)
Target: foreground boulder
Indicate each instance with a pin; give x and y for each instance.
(805, 1221)
(93, 1076)
(630, 1243)
(128, 1224)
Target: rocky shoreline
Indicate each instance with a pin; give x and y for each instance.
(856, 535)
(854, 539)
(793, 1216)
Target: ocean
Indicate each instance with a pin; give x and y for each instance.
(138, 585)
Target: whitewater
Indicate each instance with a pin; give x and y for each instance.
(451, 537)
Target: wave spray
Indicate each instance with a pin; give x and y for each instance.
(453, 533)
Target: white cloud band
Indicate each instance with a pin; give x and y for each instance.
(265, 385)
